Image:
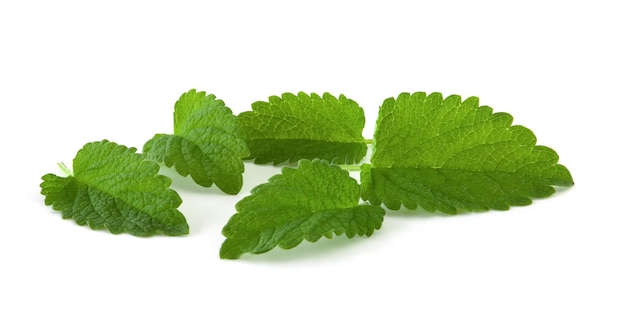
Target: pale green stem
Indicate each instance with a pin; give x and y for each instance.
(351, 167)
(369, 141)
(65, 169)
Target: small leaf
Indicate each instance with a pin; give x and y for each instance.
(314, 200)
(206, 143)
(448, 154)
(294, 127)
(116, 189)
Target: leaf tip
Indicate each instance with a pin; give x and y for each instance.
(229, 252)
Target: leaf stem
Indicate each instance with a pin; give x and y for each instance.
(369, 141)
(65, 169)
(351, 167)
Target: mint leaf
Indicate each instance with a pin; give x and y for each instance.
(116, 189)
(294, 127)
(314, 200)
(206, 143)
(448, 154)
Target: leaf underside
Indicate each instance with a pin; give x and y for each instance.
(206, 143)
(114, 188)
(448, 154)
(305, 203)
(302, 126)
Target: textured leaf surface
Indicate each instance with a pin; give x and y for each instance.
(206, 143)
(116, 189)
(447, 154)
(314, 200)
(294, 127)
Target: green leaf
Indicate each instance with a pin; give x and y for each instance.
(314, 200)
(116, 189)
(290, 128)
(206, 143)
(448, 154)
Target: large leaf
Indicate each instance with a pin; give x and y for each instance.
(294, 127)
(448, 154)
(116, 189)
(314, 200)
(206, 143)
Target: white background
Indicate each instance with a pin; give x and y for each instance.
(75, 72)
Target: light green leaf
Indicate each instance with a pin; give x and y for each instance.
(294, 127)
(116, 189)
(206, 143)
(316, 199)
(448, 154)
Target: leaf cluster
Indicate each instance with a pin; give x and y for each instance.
(440, 154)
